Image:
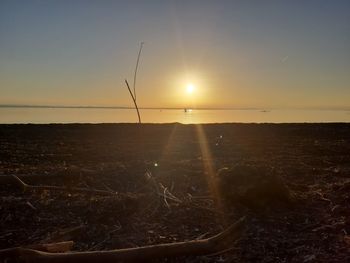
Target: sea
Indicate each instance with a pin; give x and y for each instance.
(45, 115)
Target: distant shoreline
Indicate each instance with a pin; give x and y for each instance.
(164, 108)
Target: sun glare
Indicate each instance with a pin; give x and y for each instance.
(190, 88)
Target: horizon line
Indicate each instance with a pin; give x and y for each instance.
(167, 108)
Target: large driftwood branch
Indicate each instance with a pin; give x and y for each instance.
(64, 234)
(52, 247)
(26, 187)
(14, 254)
(190, 248)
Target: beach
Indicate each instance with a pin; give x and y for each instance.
(313, 160)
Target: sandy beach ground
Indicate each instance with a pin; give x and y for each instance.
(312, 159)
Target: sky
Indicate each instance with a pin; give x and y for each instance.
(236, 54)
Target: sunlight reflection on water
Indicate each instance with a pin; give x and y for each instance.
(98, 115)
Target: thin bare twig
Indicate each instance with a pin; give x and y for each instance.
(134, 100)
(25, 187)
(133, 94)
(164, 198)
(137, 65)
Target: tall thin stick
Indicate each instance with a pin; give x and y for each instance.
(133, 99)
(133, 94)
(137, 65)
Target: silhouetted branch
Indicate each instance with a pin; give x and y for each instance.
(137, 65)
(133, 94)
(134, 100)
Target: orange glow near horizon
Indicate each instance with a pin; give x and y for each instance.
(218, 47)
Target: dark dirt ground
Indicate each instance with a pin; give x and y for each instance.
(312, 159)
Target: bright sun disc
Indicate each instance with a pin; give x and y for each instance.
(190, 88)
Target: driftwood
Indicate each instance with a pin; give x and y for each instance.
(207, 246)
(16, 255)
(52, 247)
(64, 234)
(26, 187)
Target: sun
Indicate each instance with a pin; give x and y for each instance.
(190, 88)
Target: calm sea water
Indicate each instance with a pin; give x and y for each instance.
(97, 115)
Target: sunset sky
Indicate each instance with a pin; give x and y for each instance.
(261, 54)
